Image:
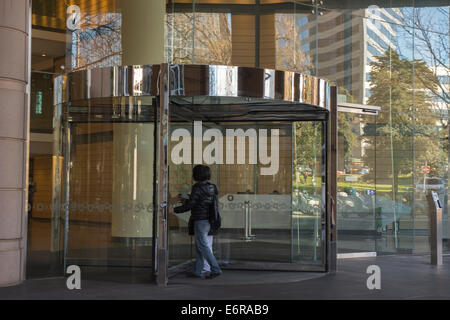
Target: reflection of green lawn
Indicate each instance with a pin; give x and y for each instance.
(404, 185)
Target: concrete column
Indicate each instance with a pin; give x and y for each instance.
(243, 40)
(142, 31)
(142, 43)
(14, 136)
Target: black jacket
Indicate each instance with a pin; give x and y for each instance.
(200, 201)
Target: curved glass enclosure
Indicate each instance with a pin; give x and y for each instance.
(129, 138)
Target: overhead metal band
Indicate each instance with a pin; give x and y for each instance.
(234, 85)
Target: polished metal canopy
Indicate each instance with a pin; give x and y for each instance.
(199, 85)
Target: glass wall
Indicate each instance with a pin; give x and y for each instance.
(309, 185)
(389, 54)
(398, 60)
(392, 54)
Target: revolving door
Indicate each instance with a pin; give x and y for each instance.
(130, 137)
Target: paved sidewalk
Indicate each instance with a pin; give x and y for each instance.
(402, 277)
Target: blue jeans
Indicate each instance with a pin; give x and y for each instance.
(207, 267)
(202, 228)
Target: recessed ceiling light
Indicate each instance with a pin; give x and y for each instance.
(44, 55)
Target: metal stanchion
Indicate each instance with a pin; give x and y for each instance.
(435, 214)
(248, 222)
(250, 215)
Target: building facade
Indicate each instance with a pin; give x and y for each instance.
(390, 54)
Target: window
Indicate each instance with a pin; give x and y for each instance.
(376, 38)
(374, 51)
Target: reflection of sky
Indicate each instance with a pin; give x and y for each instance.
(302, 21)
(229, 23)
(436, 20)
(223, 81)
(138, 80)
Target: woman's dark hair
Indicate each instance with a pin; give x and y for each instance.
(201, 173)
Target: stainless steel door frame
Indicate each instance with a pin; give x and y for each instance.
(161, 201)
(332, 145)
(67, 167)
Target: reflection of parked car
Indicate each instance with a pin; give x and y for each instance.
(304, 169)
(305, 202)
(436, 184)
(364, 171)
(360, 212)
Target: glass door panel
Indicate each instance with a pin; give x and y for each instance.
(255, 201)
(272, 216)
(308, 196)
(109, 203)
(180, 183)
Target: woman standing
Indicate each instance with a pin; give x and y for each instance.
(199, 203)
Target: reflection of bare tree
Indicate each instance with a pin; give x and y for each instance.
(289, 54)
(201, 38)
(98, 43)
(432, 46)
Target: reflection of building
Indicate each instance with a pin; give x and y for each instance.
(348, 41)
(441, 98)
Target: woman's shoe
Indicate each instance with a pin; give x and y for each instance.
(214, 275)
(193, 275)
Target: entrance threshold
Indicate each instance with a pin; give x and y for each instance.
(354, 255)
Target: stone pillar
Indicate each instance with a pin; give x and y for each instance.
(14, 137)
(142, 31)
(243, 40)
